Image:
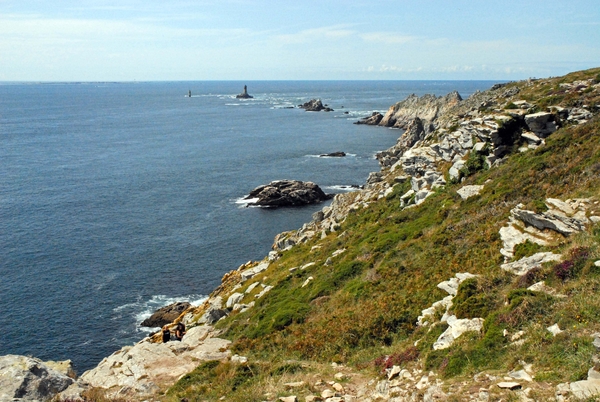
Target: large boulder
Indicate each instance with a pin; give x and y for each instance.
(165, 315)
(283, 193)
(29, 379)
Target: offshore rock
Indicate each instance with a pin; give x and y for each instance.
(315, 105)
(29, 379)
(165, 315)
(285, 193)
(337, 154)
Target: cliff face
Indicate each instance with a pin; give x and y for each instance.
(427, 108)
(468, 268)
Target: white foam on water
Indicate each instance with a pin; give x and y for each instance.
(142, 309)
(245, 201)
(342, 187)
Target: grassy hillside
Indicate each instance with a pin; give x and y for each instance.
(360, 309)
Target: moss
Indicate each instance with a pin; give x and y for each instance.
(526, 249)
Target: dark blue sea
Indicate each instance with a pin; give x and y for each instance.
(119, 198)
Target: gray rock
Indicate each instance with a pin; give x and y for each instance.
(233, 299)
(542, 124)
(212, 315)
(520, 375)
(548, 220)
(525, 264)
(29, 379)
(165, 315)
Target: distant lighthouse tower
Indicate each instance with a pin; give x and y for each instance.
(244, 95)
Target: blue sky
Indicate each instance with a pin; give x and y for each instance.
(126, 40)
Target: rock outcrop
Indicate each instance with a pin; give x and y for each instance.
(372, 120)
(285, 193)
(427, 108)
(165, 315)
(147, 367)
(29, 379)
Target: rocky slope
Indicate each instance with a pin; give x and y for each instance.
(468, 268)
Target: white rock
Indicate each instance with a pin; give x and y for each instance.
(307, 281)
(585, 389)
(450, 286)
(310, 264)
(337, 252)
(457, 327)
(508, 385)
(554, 329)
(239, 359)
(560, 205)
(469, 191)
(251, 287)
(394, 372)
(511, 236)
(263, 292)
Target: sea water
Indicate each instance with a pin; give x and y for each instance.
(119, 198)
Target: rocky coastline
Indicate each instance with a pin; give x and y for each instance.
(441, 137)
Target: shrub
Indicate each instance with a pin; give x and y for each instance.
(532, 276)
(511, 105)
(571, 267)
(396, 359)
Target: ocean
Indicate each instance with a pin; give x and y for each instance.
(119, 198)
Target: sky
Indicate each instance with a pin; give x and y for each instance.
(158, 40)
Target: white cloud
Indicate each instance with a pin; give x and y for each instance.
(315, 34)
(387, 38)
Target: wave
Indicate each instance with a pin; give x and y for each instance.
(343, 187)
(142, 309)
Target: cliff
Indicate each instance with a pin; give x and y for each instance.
(467, 269)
